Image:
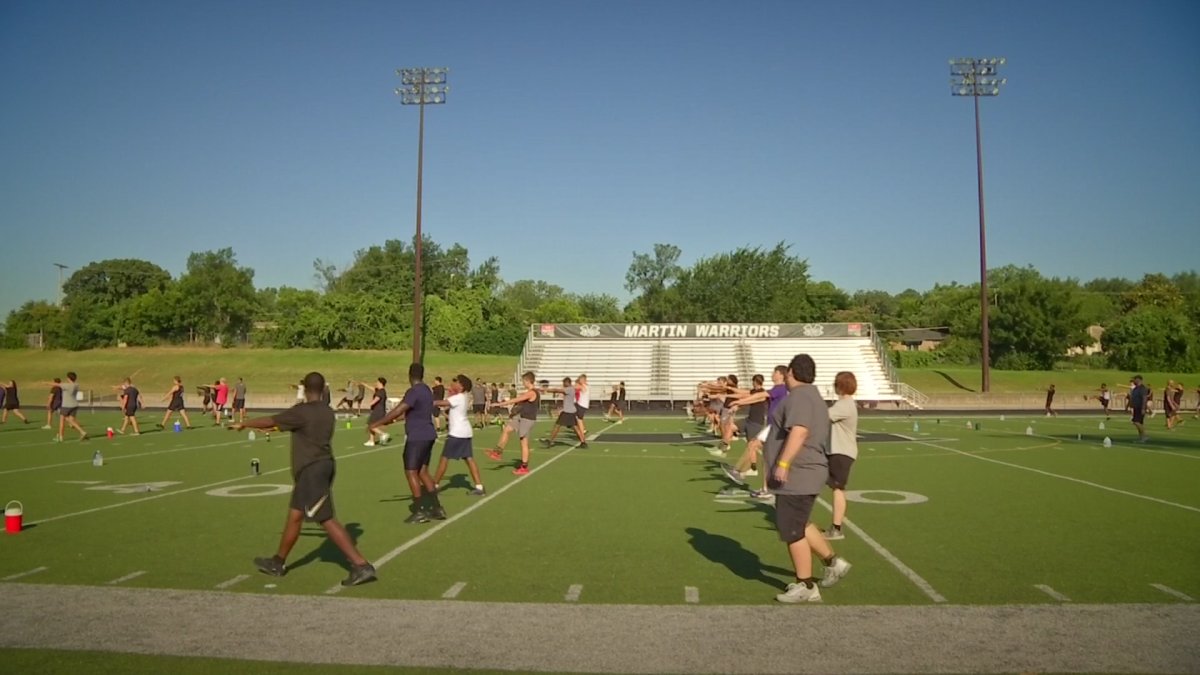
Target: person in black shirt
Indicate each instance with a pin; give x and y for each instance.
(130, 401)
(1050, 402)
(1137, 403)
(174, 399)
(439, 394)
(378, 408)
(12, 403)
(54, 402)
(616, 401)
(311, 424)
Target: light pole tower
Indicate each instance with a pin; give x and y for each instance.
(60, 267)
(422, 86)
(979, 77)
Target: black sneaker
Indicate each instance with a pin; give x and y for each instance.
(418, 516)
(360, 574)
(438, 513)
(270, 566)
(583, 446)
(546, 442)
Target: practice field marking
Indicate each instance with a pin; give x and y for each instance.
(573, 593)
(454, 590)
(1129, 446)
(179, 492)
(114, 458)
(1171, 591)
(1069, 478)
(255, 490)
(1052, 593)
(908, 572)
(387, 557)
(905, 497)
(20, 575)
(231, 582)
(128, 577)
(691, 594)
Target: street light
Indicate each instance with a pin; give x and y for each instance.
(979, 77)
(422, 86)
(60, 267)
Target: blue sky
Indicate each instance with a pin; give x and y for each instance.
(579, 132)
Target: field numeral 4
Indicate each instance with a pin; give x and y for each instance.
(134, 488)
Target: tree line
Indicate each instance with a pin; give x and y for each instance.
(1149, 324)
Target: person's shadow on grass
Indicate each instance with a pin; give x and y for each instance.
(327, 551)
(729, 552)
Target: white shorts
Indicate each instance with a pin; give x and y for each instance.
(762, 435)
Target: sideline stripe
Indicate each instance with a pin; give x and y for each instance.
(179, 492)
(230, 582)
(1068, 478)
(115, 458)
(387, 557)
(691, 594)
(573, 593)
(454, 590)
(1171, 591)
(127, 577)
(19, 575)
(887, 555)
(1052, 593)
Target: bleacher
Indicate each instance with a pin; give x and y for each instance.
(663, 363)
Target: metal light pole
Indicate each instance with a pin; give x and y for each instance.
(60, 267)
(422, 86)
(978, 77)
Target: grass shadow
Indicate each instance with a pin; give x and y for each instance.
(327, 551)
(949, 378)
(738, 560)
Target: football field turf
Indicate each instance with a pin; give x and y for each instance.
(941, 512)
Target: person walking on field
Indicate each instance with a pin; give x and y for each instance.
(458, 443)
(419, 438)
(843, 447)
(1105, 399)
(130, 402)
(616, 403)
(174, 399)
(12, 403)
(70, 409)
(1050, 402)
(54, 402)
(567, 418)
(313, 469)
(1138, 397)
(796, 451)
(239, 401)
(378, 409)
(523, 412)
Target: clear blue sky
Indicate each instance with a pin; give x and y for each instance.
(579, 132)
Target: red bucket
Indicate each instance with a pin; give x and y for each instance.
(14, 514)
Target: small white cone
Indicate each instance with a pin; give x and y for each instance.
(1107, 442)
(969, 425)
(1002, 418)
(1102, 426)
(252, 436)
(916, 426)
(1028, 431)
(1079, 437)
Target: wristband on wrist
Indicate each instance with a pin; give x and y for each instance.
(784, 465)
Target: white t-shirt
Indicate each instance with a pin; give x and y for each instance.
(460, 425)
(585, 395)
(844, 430)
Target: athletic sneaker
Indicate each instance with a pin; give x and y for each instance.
(360, 574)
(583, 446)
(521, 471)
(716, 452)
(46, 428)
(384, 438)
(494, 455)
(734, 474)
(833, 533)
(546, 442)
(797, 593)
(749, 473)
(477, 492)
(369, 444)
(763, 496)
(439, 513)
(271, 566)
(835, 572)
(418, 516)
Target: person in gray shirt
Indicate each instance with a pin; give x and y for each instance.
(797, 453)
(239, 400)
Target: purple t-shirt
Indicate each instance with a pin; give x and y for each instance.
(418, 421)
(774, 396)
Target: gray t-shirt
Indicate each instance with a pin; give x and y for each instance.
(569, 400)
(843, 438)
(239, 391)
(803, 407)
(70, 395)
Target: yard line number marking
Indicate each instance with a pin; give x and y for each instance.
(454, 590)
(128, 577)
(691, 594)
(573, 593)
(1052, 593)
(1171, 591)
(230, 582)
(19, 575)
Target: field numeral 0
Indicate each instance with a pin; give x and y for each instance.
(134, 488)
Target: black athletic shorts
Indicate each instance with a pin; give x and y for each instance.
(417, 454)
(791, 516)
(457, 448)
(55, 407)
(479, 408)
(566, 420)
(313, 492)
(68, 412)
(239, 404)
(580, 412)
(376, 415)
(437, 412)
(839, 471)
(1139, 415)
(175, 406)
(751, 429)
(12, 404)
(130, 412)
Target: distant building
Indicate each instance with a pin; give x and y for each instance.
(916, 339)
(1094, 332)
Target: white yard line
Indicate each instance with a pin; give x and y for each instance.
(387, 557)
(20, 575)
(1052, 593)
(573, 593)
(691, 594)
(1148, 447)
(179, 492)
(1066, 478)
(232, 582)
(96, 446)
(1171, 591)
(908, 572)
(454, 590)
(128, 577)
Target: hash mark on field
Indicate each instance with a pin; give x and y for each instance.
(573, 593)
(387, 557)
(1052, 593)
(230, 582)
(691, 594)
(908, 572)
(1171, 591)
(454, 590)
(18, 575)
(128, 577)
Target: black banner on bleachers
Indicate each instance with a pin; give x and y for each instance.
(618, 331)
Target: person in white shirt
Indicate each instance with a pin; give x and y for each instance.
(458, 443)
(843, 415)
(583, 400)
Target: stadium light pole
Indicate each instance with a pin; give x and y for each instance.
(60, 267)
(422, 86)
(979, 77)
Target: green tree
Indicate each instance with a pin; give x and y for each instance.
(599, 308)
(1153, 339)
(218, 297)
(35, 316)
(108, 283)
(1034, 320)
(650, 276)
(1154, 290)
(749, 285)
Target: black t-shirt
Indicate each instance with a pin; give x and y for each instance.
(439, 392)
(326, 396)
(1137, 397)
(311, 424)
(758, 411)
(131, 399)
(380, 405)
(56, 396)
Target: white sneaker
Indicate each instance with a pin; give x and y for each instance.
(46, 428)
(369, 444)
(797, 593)
(384, 438)
(716, 452)
(750, 472)
(835, 572)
